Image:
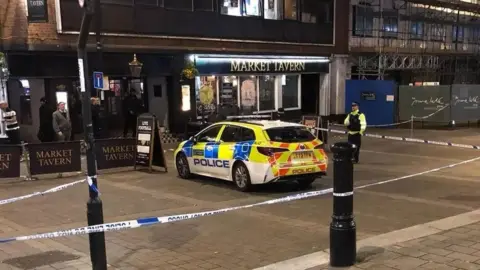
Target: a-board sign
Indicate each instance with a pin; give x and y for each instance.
(312, 122)
(54, 157)
(149, 149)
(10, 161)
(115, 153)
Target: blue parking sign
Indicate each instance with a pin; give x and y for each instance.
(98, 80)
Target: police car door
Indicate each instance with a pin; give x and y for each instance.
(205, 150)
(230, 136)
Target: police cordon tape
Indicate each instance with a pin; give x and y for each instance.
(414, 140)
(38, 193)
(136, 223)
(51, 190)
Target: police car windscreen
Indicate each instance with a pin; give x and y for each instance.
(290, 134)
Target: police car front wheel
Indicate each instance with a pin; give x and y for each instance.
(182, 166)
(241, 177)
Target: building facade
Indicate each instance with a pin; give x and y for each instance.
(415, 42)
(260, 55)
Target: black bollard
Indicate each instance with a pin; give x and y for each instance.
(343, 242)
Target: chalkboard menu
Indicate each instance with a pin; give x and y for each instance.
(149, 150)
(228, 95)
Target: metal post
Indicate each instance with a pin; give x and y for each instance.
(98, 255)
(411, 126)
(98, 37)
(343, 248)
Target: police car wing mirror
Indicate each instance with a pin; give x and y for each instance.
(193, 139)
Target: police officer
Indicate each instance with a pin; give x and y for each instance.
(356, 124)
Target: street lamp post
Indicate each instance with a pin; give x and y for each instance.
(98, 255)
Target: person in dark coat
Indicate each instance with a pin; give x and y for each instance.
(132, 108)
(97, 119)
(45, 131)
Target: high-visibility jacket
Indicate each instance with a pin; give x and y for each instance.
(355, 122)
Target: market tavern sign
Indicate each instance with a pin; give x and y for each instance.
(267, 66)
(258, 66)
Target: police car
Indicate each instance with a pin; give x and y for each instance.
(253, 152)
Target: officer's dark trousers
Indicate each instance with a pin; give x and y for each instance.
(357, 140)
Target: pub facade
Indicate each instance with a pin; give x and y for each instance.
(261, 55)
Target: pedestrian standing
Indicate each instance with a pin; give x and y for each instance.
(356, 124)
(11, 125)
(45, 131)
(132, 107)
(61, 123)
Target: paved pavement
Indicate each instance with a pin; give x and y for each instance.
(243, 239)
(454, 249)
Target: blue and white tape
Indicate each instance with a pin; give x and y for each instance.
(38, 193)
(414, 140)
(142, 222)
(51, 190)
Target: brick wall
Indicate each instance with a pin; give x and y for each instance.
(19, 35)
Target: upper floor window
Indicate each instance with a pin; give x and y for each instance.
(290, 9)
(178, 4)
(417, 30)
(363, 21)
(314, 11)
(241, 7)
(458, 33)
(437, 32)
(273, 9)
(390, 26)
(474, 34)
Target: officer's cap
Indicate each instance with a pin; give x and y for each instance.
(354, 103)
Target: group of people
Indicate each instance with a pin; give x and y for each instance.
(58, 125)
(55, 124)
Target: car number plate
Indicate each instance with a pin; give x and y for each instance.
(303, 155)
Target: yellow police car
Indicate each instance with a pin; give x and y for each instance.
(253, 152)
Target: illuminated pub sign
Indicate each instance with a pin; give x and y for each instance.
(237, 65)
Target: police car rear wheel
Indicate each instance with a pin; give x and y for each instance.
(241, 177)
(182, 166)
(306, 182)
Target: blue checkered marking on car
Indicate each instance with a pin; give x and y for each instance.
(187, 148)
(242, 150)
(211, 150)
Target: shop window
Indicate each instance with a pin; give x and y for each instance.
(290, 9)
(228, 90)
(230, 7)
(312, 11)
(248, 94)
(416, 30)
(290, 91)
(241, 7)
(251, 7)
(266, 93)
(178, 4)
(473, 34)
(390, 26)
(203, 5)
(437, 32)
(363, 21)
(461, 33)
(273, 9)
(206, 95)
